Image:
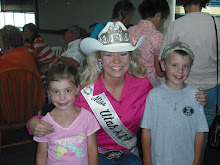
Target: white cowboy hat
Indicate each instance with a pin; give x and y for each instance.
(114, 37)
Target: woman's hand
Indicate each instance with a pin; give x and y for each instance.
(40, 128)
(201, 96)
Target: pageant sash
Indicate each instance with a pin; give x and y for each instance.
(108, 118)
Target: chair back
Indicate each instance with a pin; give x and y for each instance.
(58, 50)
(20, 91)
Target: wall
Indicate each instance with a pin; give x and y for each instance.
(59, 14)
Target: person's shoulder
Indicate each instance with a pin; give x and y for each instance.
(47, 117)
(157, 90)
(191, 88)
(138, 81)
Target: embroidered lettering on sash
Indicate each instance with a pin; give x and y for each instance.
(108, 118)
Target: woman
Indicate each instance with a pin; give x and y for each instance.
(115, 81)
(15, 54)
(153, 14)
(40, 49)
(123, 11)
(197, 30)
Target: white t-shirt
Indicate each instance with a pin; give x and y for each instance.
(174, 117)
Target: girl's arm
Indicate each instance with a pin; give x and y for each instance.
(199, 143)
(92, 149)
(146, 144)
(158, 70)
(41, 158)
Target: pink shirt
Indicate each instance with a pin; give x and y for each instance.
(69, 145)
(150, 47)
(129, 108)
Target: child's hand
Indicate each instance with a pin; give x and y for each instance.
(201, 96)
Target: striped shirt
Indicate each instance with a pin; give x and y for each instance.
(46, 54)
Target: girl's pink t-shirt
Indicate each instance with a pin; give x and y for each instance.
(67, 146)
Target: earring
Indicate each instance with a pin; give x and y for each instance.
(131, 61)
(100, 65)
(158, 18)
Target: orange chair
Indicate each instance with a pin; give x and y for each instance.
(20, 91)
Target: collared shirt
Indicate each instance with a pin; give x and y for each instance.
(129, 107)
(46, 54)
(73, 51)
(150, 47)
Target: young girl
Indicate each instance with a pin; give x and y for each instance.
(74, 138)
(38, 47)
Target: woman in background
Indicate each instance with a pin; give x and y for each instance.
(39, 48)
(153, 14)
(123, 11)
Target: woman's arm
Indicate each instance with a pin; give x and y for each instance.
(199, 143)
(201, 96)
(157, 67)
(41, 158)
(38, 127)
(146, 144)
(92, 149)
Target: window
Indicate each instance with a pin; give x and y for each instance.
(16, 12)
(17, 19)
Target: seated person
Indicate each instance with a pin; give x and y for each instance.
(38, 47)
(15, 54)
(73, 36)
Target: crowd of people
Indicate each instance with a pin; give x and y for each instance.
(106, 88)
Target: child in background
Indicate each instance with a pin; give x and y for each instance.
(38, 47)
(173, 122)
(74, 139)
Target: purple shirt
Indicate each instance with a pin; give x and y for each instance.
(129, 108)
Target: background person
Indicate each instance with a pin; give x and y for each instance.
(153, 14)
(38, 47)
(15, 54)
(123, 11)
(73, 36)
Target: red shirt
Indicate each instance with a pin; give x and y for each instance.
(20, 57)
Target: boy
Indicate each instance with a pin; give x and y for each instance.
(173, 122)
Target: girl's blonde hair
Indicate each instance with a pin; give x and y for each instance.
(92, 70)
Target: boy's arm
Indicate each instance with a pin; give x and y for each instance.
(146, 145)
(199, 143)
(41, 158)
(92, 149)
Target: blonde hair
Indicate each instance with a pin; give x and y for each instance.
(92, 71)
